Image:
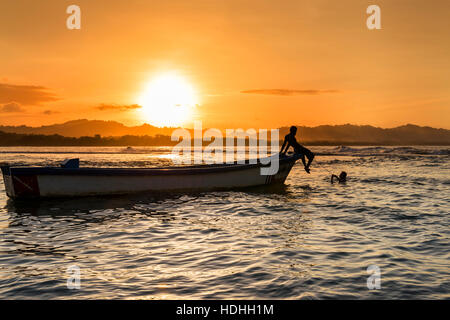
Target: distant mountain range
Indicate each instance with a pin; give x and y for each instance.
(352, 134)
(83, 127)
(325, 134)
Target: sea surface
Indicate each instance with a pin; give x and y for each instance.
(309, 239)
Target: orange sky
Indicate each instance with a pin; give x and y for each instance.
(260, 63)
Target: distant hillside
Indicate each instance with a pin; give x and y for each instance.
(83, 127)
(322, 135)
(368, 135)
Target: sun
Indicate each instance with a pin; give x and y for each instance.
(168, 100)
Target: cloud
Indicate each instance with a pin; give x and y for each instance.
(118, 107)
(11, 107)
(25, 95)
(50, 112)
(288, 92)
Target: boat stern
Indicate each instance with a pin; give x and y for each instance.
(20, 185)
(7, 180)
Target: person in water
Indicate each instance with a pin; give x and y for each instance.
(290, 141)
(342, 177)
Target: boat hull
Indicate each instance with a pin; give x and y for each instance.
(29, 182)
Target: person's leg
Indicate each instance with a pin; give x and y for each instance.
(303, 160)
(304, 163)
(310, 157)
(302, 152)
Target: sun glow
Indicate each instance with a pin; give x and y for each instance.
(168, 101)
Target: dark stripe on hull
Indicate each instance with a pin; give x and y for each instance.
(25, 186)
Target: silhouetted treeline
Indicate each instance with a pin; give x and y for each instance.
(15, 139)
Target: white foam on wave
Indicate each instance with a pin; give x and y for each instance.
(379, 150)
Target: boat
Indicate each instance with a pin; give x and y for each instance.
(70, 180)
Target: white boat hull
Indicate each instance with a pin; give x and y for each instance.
(31, 182)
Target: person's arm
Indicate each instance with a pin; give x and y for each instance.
(334, 176)
(284, 144)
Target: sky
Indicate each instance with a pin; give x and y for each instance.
(249, 63)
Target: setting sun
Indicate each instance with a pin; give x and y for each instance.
(168, 100)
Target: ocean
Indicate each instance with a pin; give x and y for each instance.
(308, 239)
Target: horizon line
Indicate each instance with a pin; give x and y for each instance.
(187, 127)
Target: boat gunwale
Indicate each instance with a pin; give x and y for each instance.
(181, 170)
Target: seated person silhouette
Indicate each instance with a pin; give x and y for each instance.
(290, 141)
(342, 177)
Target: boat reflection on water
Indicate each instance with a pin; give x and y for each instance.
(128, 203)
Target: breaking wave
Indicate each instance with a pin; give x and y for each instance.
(345, 150)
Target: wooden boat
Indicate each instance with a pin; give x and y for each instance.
(71, 180)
